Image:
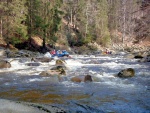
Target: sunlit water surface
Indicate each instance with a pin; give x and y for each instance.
(107, 94)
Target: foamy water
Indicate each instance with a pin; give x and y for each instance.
(107, 93)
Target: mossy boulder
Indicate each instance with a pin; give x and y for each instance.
(125, 73)
(60, 69)
(54, 71)
(60, 62)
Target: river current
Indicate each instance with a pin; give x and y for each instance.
(106, 94)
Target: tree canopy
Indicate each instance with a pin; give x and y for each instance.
(74, 22)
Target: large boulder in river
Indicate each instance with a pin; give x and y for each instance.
(59, 71)
(5, 64)
(129, 72)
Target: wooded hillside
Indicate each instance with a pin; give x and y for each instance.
(74, 23)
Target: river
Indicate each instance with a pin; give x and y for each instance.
(106, 94)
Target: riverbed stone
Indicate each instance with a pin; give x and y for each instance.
(33, 64)
(43, 59)
(5, 64)
(138, 56)
(24, 60)
(11, 54)
(60, 62)
(60, 69)
(51, 72)
(76, 79)
(88, 78)
(125, 73)
(54, 76)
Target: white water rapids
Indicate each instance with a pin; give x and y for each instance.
(106, 94)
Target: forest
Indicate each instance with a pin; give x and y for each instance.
(74, 23)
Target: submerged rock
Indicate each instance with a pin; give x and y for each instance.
(33, 64)
(129, 72)
(49, 73)
(24, 60)
(76, 79)
(54, 76)
(5, 64)
(44, 59)
(87, 78)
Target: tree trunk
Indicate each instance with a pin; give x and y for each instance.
(87, 17)
(71, 16)
(30, 20)
(1, 27)
(124, 22)
(7, 41)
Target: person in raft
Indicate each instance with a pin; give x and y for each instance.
(53, 52)
(62, 53)
(65, 53)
